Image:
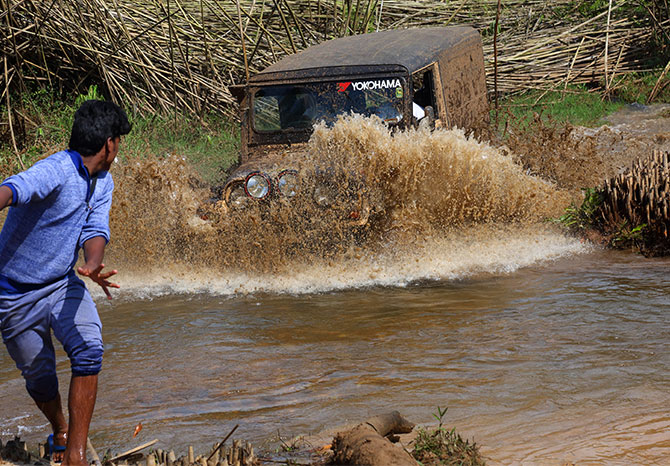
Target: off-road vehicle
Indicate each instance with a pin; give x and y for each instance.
(435, 75)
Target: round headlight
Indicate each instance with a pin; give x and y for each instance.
(238, 197)
(288, 183)
(257, 185)
(323, 196)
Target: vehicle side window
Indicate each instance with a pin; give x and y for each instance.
(423, 93)
(423, 88)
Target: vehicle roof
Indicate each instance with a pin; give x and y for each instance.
(411, 49)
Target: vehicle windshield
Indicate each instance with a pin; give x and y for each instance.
(299, 107)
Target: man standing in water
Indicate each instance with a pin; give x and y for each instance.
(59, 205)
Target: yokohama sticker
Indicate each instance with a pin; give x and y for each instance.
(370, 85)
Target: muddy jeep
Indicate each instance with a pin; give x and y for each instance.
(432, 76)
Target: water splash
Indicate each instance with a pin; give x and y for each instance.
(443, 205)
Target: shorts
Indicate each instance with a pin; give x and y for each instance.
(26, 322)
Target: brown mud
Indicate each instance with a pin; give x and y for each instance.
(421, 186)
(368, 443)
(576, 157)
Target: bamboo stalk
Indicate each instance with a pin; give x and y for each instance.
(133, 450)
(297, 24)
(495, 59)
(286, 27)
(379, 17)
(607, 43)
(9, 117)
(657, 86)
(244, 49)
(223, 441)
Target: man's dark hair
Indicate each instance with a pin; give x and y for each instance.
(94, 122)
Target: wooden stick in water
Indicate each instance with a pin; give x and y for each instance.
(133, 450)
(223, 441)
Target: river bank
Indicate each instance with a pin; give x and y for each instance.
(379, 441)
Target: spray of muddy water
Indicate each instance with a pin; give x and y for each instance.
(442, 206)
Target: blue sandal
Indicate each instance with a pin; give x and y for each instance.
(52, 447)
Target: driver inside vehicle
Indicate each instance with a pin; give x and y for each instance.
(296, 110)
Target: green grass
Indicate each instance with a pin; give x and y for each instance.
(442, 446)
(210, 144)
(580, 105)
(577, 106)
(636, 87)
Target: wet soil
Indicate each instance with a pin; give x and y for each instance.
(579, 157)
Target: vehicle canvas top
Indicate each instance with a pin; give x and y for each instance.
(380, 52)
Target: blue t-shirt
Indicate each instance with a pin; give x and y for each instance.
(53, 213)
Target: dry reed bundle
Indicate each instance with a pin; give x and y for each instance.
(238, 454)
(166, 55)
(640, 197)
(571, 54)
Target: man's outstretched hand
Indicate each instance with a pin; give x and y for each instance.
(98, 277)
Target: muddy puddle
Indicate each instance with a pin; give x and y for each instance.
(459, 293)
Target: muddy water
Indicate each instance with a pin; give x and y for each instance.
(545, 349)
(565, 360)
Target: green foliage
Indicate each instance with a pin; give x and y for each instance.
(625, 236)
(591, 8)
(440, 415)
(291, 445)
(358, 17)
(582, 217)
(445, 447)
(636, 87)
(92, 94)
(210, 145)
